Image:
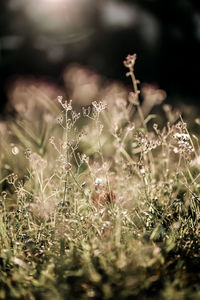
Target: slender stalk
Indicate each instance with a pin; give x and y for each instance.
(140, 112)
(136, 91)
(102, 158)
(67, 155)
(191, 141)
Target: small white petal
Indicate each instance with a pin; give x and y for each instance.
(15, 150)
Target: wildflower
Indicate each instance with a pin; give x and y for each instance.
(86, 111)
(142, 171)
(66, 105)
(12, 178)
(84, 158)
(129, 62)
(183, 144)
(148, 143)
(176, 150)
(181, 136)
(105, 224)
(98, 181)
(15, 150)
(99, 106)
(68, 167)
(75, 116)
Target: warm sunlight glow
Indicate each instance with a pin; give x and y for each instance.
(55, 15)
(66, 19)
(54, 2)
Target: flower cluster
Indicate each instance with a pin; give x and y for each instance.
(11, 179)
(99, 106)
(147, 143)
(182, 139)
(66, 105)
(183, 144)
(86, 111)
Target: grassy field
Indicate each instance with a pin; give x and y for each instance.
(102, 203)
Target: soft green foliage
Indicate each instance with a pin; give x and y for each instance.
(99, 207)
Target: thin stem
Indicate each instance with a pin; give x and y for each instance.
(67, 155)
(136, 91)
(102, 159)
(140, 112)
(191, 141)
(78, 184)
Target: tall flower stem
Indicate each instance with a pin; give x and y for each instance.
(129, 62)
(67, 155)
(102, 157)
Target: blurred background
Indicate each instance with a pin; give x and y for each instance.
(75, 47)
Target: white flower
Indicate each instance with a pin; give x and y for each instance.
(182, 136)
(175, 150)
(98, 180)
(142, 170)
(15, 150)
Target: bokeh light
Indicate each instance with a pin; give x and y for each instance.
(54, 16)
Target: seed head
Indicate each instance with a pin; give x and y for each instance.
(129, 62)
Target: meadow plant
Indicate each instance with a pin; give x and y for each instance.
(102, 203)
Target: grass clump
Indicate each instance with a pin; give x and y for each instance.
(104, 205)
